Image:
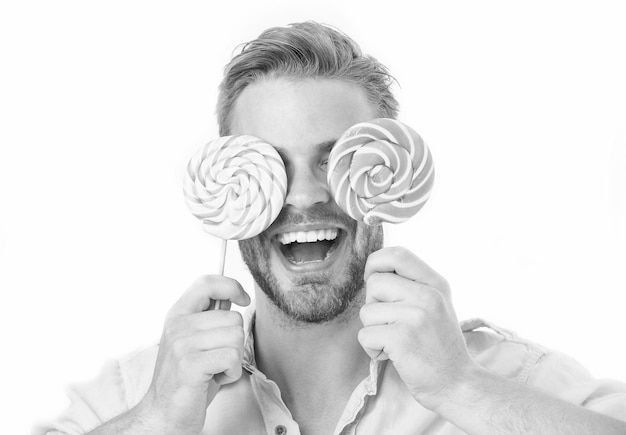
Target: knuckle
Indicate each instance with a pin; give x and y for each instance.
(444, 286)
(235, 318)
(237, 371)
(199, 286)
(232, 355)
(202, 281)
(365, 313)
(362, 336)
(207, 284)
(172, 326)
(403, 329)
(179, 347)
(374, 280)
(237, 334)
(431, 298)
(400, 253)
(439, 282)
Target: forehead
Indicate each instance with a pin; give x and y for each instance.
(294, 115)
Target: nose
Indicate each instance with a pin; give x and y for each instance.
(306, 187)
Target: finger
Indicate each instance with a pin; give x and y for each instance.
(206, 288)
(404, 263)
(176, 327)
(388, 287)
(230, 336)
(223, 378)
(232, 376)
(211, 319)
(226, 361)
(220, 338)
(373, 340)
(385, 313)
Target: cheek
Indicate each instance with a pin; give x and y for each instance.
(368, 238)
(254, 249)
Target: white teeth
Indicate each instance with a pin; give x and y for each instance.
(308, 236)
(301, 237)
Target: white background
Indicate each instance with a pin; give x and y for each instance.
(102, 104)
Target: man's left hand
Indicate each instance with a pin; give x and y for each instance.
(408, 318)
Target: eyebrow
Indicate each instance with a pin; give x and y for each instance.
(322, 147)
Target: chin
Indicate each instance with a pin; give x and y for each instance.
(313, 281)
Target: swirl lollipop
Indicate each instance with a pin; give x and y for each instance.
(236, 186)
(380, 171)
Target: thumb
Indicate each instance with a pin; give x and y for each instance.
(374, 350)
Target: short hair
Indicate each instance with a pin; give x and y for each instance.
(300, 51)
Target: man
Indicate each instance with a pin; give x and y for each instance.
(346, 336)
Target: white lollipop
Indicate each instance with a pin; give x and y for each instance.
(380, 171)
(236, 185)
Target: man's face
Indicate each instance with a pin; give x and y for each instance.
(310, 261)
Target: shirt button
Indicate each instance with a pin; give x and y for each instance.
(280, 430)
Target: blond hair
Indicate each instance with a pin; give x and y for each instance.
(300, 51)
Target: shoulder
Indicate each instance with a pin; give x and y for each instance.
(505, 353)
(501, 350)
(121, 383)
(119, 386)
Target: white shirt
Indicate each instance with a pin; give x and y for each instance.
(381, 403)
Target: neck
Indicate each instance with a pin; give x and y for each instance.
(310, 363)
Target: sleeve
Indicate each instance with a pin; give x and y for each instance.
(91, 404)
(563, 377)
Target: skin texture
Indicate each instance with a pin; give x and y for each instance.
(302, 119)
(302, 122)
(199, 351)
(403, 311)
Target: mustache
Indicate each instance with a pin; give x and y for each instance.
(318, 213)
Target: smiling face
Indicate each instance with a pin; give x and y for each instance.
(310, 261)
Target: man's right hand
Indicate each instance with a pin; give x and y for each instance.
(199, 351)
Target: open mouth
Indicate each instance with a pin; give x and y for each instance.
(309, 246)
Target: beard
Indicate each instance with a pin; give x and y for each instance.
(323, 297)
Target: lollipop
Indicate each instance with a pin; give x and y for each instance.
(236, 186)
(380, 171)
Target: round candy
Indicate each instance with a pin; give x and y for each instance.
(236, 186)
(380, 171)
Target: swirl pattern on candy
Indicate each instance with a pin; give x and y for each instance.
(380, 171)
(236, 185)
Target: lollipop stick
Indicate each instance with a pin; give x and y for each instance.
(221, 267)
(223, 256)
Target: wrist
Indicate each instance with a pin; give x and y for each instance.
(136, 421)
(460, 387)
(173, 416)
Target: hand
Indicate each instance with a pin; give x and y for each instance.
(199, 351)
(408, 318)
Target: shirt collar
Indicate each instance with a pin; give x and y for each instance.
(249, 316)
(369, 384)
